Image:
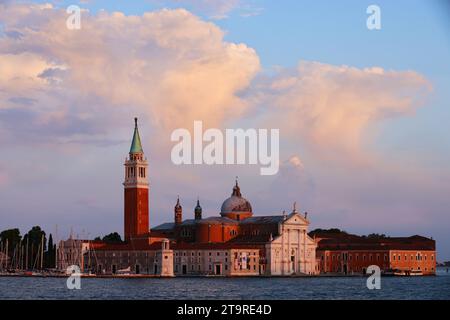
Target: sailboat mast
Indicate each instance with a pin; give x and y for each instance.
(6, 251)
(26, 254)
(56, 247)
(42, 252)
(1, 256)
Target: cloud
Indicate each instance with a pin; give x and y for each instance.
(217, 9)
(292, 184)
(330, 108)
(168, 65)
(3, 177)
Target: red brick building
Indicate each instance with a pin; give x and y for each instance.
(343, 253)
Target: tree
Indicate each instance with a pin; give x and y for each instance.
(50, 253)
(376, 236)
(34, 238)
(328, 231)
(113, 237)
(13, 236)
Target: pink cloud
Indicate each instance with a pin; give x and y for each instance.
(331, 108)
(169, 65)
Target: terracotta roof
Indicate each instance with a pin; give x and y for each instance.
(263, 220)
(131, 246)
(352, 242)
(218, 220)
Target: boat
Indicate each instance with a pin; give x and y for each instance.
(124, 272)
(416, 273)
(408, 273)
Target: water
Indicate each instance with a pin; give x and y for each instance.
(437, 287)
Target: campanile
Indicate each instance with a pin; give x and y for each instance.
(136, 188)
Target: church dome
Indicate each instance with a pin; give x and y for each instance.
(236, 203)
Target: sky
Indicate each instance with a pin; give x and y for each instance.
(363, 114)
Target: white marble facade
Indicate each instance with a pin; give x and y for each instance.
(293, 252)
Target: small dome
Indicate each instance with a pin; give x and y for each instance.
(236, 203)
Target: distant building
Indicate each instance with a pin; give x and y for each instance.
(350, 254)
(73, 252)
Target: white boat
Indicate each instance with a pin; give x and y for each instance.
(126, 271)
(408, 273)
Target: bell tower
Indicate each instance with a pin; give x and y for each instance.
(136, 186)
(178, 210)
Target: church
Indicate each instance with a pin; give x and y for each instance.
(233, 242)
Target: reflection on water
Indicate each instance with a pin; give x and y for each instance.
(229, 288)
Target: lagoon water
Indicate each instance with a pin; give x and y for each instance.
(437, 287)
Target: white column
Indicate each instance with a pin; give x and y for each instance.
(304, 250)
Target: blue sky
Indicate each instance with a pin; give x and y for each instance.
(407, 142)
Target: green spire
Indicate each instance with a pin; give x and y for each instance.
(136, 146)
